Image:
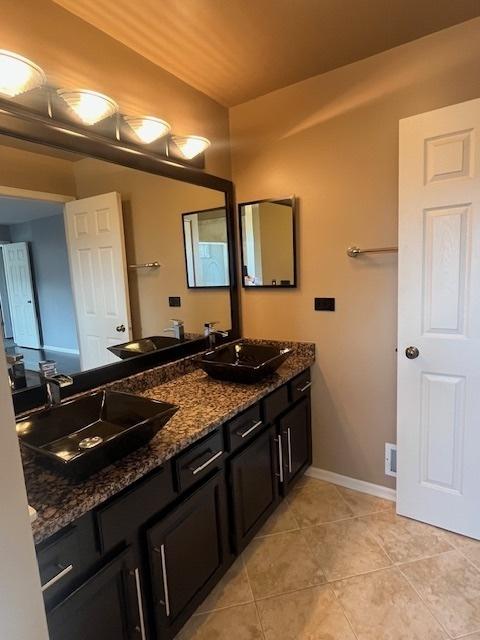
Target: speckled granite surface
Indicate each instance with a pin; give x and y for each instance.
(204, 405)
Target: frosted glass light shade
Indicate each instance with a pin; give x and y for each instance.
(89, 106)
(18, 74)
(147, 128)
(191, 146)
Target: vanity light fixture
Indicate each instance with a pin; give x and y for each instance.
(89, 106)
(18, 74)
(190, 146)
(147, 128)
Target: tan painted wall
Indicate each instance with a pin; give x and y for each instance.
(75, 54)
(333, 141)
(152, 208)
(25, 170)
(276, 239)
(22, 614)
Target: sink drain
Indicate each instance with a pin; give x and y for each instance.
(89, 443)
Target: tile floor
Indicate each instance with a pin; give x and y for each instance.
(335, 564)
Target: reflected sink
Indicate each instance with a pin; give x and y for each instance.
(84, 435)
(144, 345)
(243, 362)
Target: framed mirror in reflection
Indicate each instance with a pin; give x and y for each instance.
(92, 262)
(205, 237)
(267, 229)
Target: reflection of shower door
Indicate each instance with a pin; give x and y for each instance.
(96, 249)
(23, 312)
(212, 264)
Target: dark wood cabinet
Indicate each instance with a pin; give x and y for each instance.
(296, 441)
(188, 553)
(253, 486)
(172, 535)
(105, 607)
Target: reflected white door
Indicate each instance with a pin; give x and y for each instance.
(96, 248)
(23, 312)
(439, 314)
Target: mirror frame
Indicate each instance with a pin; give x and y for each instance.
(294, 239)
(25, 124)
(189, 286)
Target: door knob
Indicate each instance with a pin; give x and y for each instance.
(412, 353)
(121, 328)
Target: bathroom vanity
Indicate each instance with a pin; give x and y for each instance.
(132, 551)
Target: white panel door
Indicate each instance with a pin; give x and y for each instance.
(439, 315)
(96, 248)
(23, 312)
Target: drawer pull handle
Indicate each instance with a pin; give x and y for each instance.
(138, 589)
(207, 463)
(244, 434)
(61, 574)
(280, 457)
(289, 444)
(305, 387)
(161, 551)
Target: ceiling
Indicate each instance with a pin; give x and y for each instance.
(235, 50)
(17, 210)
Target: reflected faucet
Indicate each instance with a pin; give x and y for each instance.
(177, 329)
(53, 384)
(212, 333)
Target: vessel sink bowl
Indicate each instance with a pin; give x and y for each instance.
(243, 362)
(84, 435)
(144, 345)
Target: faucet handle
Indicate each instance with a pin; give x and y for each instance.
(209, 326)
(60, 379)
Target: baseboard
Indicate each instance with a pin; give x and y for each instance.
(73, 352)
(352, 483)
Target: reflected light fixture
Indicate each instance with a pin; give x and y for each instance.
(147, 128)
(18, 74)
(191, 146)
(89, 106)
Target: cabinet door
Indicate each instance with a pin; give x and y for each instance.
(253, 487)
(188, 552)
(296, 435)
(106, 607)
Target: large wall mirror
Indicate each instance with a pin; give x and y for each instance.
(268, 248)
(93, 261)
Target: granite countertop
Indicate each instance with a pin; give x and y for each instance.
(204, 404)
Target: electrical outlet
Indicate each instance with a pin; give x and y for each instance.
(174, 301)
(390, 459)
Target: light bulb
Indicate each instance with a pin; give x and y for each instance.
(89, 106)
(147, 128)
(191, 146)
(18, 74)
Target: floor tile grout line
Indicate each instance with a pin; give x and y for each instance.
(429, 557)
(462, 553)
(350, 624)
(260, 620)
(442, 626)
(275, 533)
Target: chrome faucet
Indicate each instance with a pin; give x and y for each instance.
(211, 333)
(177, 329)
(53, 384)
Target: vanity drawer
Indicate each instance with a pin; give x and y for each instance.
(275, 404)
(200, 460)
(243, 428)
(118, 521)
(59, 563)
(300, 385)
